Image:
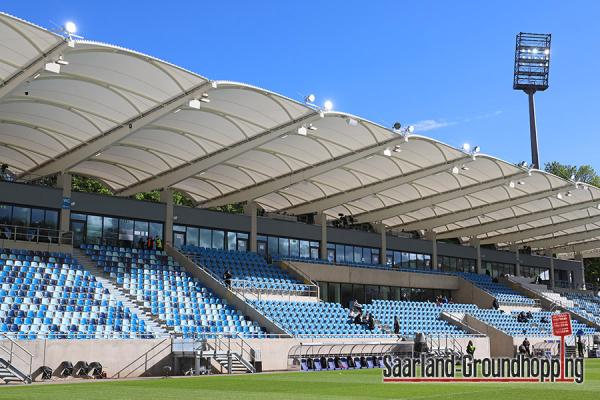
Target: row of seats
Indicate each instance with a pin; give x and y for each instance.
(170, 293)
(248, 269)
(48, 295)
(502, 293)
(340, 363)
(313, 319)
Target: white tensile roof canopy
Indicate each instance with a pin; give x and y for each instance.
(138, 123)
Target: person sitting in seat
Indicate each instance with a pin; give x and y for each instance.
(371, 322)
(227, 279)
(544, 320)
(358, 318)
(495, 304)
(527, 346)
(158, 243)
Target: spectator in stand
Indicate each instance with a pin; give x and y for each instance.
(141, 243)
(529, 315)
(227, 279)
(371, 322)
(5, 174)
(470, 348)
(527, 347)
(396, 325)
(579, 346)
(158, 243)
(358, 318)
(150, 244)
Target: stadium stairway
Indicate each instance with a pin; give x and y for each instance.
(552, 300)
(154, 325)
(10, 374)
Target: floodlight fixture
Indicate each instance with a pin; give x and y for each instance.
(70, 27)
(531, 71)
(466, 147)
(328, 105)
(387, 152)
(311, 127)
(397, 126)
(310, 99)
(302, 131)
(455, 170)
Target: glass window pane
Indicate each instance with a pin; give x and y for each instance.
(273, 246)
(192, 236)
(205, 238)
(294, 248)
(110, 232)
(21, 216)
(284, 247)
(5, 214)
(218, 239)
(358, 257)
(37, 217)
(231, 241)
(339, 253)
(304, 249)
(348, 253)
(358, 293)
(51, 219)
(156, 229)
(125, 231)
(94, 229)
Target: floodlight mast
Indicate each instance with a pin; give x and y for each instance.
(532, 67)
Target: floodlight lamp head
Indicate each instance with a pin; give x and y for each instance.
(387, 152)
(328, 105)
(466, 147)
(310, 98)
(70, 27)
(397, 126)
(410, 129)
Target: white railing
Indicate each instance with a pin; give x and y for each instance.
(15, 351)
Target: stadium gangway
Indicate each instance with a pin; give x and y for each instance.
(34, 234)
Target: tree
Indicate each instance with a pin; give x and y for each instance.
(584, 173)
(592, 271)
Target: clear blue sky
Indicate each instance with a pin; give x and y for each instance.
(445, 65)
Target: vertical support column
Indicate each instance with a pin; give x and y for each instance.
(251, 209)
(64, 181)
(475, 242)
(515, 248)
(552, 279)
(322, 218)
(431, 235)
(581, 281)
(533, 131)
(166, 196)
(383, 247)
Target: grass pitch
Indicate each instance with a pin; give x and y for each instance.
(361, 384)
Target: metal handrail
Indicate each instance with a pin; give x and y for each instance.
(35, 234)
(11, 352)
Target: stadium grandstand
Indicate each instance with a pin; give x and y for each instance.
(356, 240)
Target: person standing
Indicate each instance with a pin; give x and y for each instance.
(396, 325)
(158, 243)
(471, 348)
(227, 279)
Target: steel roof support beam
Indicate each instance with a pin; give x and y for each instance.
(404, 208)
(539, 231)
(291, 178)
(449, 218)
(176, 175)
(32, 68)
(96, 145)
(366, 190)
(515, 220)
(562, 239)
(579, 247)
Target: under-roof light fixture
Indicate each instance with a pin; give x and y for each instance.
(194, 103)
(328, 105)
(455, 170)
(598, 206)
(204, 98)
(397, 149)
(465, 167)
(559, 196)
(511, 184)
(521, 183)
(310, 99)
(311, 127)
(62, 61)
(98, 154)
(387, 152)
(351, 122)
(283, 136)
(302, 131)
(569, 193)
(176, 111)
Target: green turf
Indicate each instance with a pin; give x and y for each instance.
(312, 385)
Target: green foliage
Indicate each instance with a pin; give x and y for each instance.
(592, 271)
(230, 208)
(584, 173)
(89, 185)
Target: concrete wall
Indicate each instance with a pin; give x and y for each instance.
(501, 344)
(469, 293)
(372, 276)
(119, 358)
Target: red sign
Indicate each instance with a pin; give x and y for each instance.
(561, 324)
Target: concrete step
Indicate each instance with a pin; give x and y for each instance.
(151, 321)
